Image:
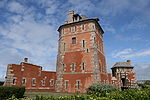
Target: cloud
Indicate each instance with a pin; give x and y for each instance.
(138, 54)
(15, 7)
(129, 53)
(142, 70)
(133, 37)
(109, 28)
(28, 33)
(82, 6)
(122, 53)
(137, 23)
(2, 77)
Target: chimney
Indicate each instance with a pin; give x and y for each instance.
(25, 59)
(129, 61)
(70, 16)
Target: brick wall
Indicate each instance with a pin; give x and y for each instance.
(31, 76)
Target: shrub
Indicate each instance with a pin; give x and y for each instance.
(101, 89)
(7, 92)
(1, 83)
(130, 94)
(146, 85)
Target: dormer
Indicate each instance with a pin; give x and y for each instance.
(72, 17)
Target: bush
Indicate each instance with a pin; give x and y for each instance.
(7, 92)
(1, 83)
(130, 94)
(146, 85)
(101, 89)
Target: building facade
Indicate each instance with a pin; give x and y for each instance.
(80, 62)
(31, 76)
(123, 75)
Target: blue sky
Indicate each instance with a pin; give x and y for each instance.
(28, 28)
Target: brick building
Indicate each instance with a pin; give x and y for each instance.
(31, 76)
(123, 75)
(80, 61)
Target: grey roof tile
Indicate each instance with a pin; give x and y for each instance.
(122, 64)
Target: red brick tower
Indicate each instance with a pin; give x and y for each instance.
(81, 59)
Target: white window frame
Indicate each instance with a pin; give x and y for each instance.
(23, 82)
(83, 27)
(73, 66)
(83, 63)
(52, 82)
(66, 87)
(83, 43)
(78, 85)
(33, 80)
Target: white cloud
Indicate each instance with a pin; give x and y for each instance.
(25, 36)
(2, 77)
(138, 54)
(15, 7)
(132, 37)
(108, 28)
(122, 53)
(142, 70)
(137, 24)
(51, 10)
(82, 6)
(129, 53)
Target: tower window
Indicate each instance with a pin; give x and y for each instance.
(83, 66)
(83, 43)
(93, 26)
(70, 29)
(66, 84)
(73, 67)
(63, 65)
(78, 84)
(75, 28)
(64, 46)
(83, 27)
(87, 50)
(94, 39)
(74, 40)
(14, 81)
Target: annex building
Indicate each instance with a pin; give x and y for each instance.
(80, 62)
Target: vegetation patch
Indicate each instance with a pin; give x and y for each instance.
(101, 89)
(7, 92)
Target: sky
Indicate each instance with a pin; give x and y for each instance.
(28, 28)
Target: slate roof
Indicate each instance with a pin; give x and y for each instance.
(122, 64)
(83, 18)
